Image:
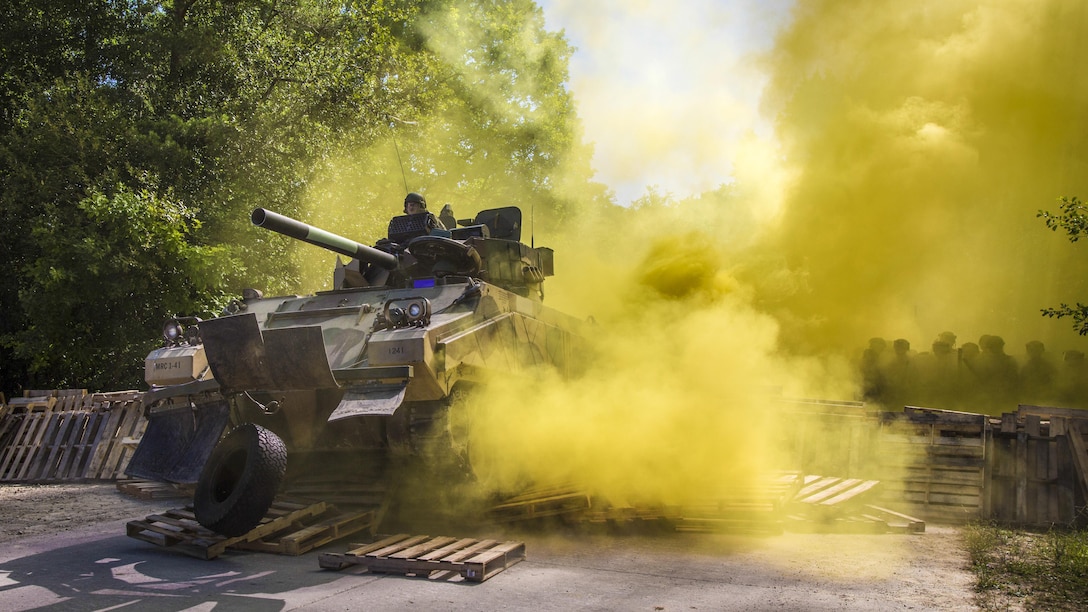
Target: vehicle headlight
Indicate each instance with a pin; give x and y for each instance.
(181, 330)
(173, 331)
(414, 311)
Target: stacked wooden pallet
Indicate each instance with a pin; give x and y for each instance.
(290, 527)
(52, 436)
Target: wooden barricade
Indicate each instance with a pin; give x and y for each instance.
(1040, 468)
(68, 435)
(933, 463)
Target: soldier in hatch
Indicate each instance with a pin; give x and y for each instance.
(415, 203)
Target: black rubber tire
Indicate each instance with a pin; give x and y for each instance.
(240, 480)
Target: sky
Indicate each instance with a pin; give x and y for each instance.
(690, 70)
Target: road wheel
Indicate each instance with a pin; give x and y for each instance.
(240, 480)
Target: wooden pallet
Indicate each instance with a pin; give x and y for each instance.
(934, 463)
(289, 528)
(541, 503)
(150, 489)
(430, 557)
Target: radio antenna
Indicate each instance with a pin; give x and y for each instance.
(400, 162)
(532, 224)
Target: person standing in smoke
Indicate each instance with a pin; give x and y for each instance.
(872, 378)
(937, 375)
(900, 375)
(948, 338)
(998, 375)
(1037, 375)
(871, 370)
(968, 386)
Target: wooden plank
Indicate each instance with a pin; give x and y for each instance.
(303, 536)
(1079, 453)
(853, 492)
(1050, 411)
(814, 483)
(1021, 476)
(423, 548)
(1008, 423)
(109, 437)
(925, 496)
(391, 549)
(828, 492)
(118, 455)
(1032, 424)
(963, 476)
(92, 436)
(380, 544)
(76, 431)
(891, 517)
(17, 438)
(33, 443)
(449, 549)
(917, 440)
(48, 451)
(915, 460)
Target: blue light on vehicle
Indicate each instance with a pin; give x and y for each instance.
(422, 283)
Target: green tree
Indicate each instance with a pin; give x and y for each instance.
(1072, 218)
(136, 137)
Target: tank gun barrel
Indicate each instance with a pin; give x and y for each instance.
(318, 237)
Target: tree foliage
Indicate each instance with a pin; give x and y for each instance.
(1072, 217)
(137, 136)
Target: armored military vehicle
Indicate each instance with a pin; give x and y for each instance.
(382, 366)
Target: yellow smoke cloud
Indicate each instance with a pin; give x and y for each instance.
(914, 144)
(922, 138)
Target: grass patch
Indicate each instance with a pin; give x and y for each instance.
(1030, 570)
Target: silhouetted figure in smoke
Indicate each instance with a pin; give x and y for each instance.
(998, 375)
(937, 374)
(900, 375)
(968, 385)
(878, 346)
(873, 386)
(1037, 375)
(948, 338)
(1072, 381)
